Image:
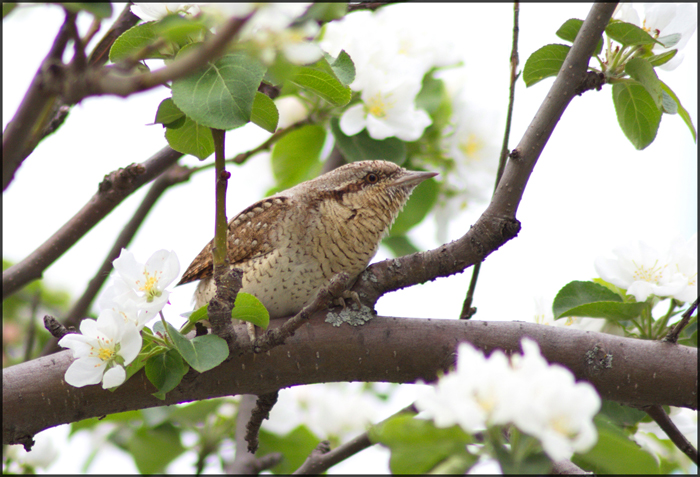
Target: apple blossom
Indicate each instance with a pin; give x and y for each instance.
(101, 350)
(145, 283)
(387, 109)
(642, 271)
(663, 21)
(540, 399)
(683, 266)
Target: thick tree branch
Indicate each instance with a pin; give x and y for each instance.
(400, 350)
(115, 187)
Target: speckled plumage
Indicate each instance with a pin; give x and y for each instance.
(290, 244)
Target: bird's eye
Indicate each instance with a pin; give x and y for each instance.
(372, 178)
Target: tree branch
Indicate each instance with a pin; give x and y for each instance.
(497, 224)
(115, 187)
(400, 350)
(22, 133)
(657, 413)
(99, 81)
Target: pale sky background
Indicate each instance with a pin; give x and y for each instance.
(591, 190)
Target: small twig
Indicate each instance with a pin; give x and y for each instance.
(467, 310)
(657, 413)
(56, 329)
(112, 190)
(325, 294)
(320, 461)
(279, 134)
(672, 336)
(263, 406)
(228, 281)
(105, 81)
(566, 467)
(246, 463)
(174, 175)
(100, 54)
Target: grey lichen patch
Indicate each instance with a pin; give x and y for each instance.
(367, 275)
(598, 359)
(352, 315)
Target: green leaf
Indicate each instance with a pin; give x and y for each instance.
(419, 204)
(641, 70)
(400, 245)
(681, 110)
(134, 40)
(570, 29)
(621, 415)
(593, 300)
(221, 95)
(165, 371)
(417, 446)
(615, 453)
(325, 12)
(431, 94)
(627, 34)
(361, 146)
(265, 112)
(169, 114)
(543, 63)
(344, 68)
(191, 138)
(203, 352)
(154, 449)
(179, 29)
(323, 84)
(637, 113)
(98, 9)
(668, 105)
(295, 155)
(662, 58)
(295, 447)
(249, 308)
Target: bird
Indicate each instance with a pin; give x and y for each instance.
(292, 243)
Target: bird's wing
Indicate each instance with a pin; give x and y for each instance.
(251, 234)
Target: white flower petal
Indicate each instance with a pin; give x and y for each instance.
(113, 377)
(353, 120)
(85, 371)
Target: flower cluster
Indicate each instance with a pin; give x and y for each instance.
(541, 400)
(271, 28)
(643, 271)
(392, 51)
(106, 345)
(663, 21)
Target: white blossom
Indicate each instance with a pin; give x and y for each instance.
(145, 283)
(663, 20)
(551, 406)
(683, 266)
(542, 400)
(101, 350)
(642, 271)
(387, 109)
